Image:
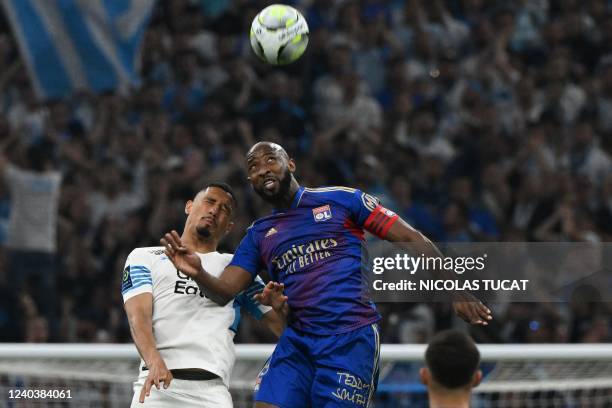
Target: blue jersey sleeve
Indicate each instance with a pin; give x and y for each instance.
(362, 205)
(247, 254)
(368, 213)
(245, 299)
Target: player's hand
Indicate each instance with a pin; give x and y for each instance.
(471, 309)
(158, 373)
(184, 259)
(272, 295)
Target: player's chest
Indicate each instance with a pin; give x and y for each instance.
(309, 228)
(175, 286)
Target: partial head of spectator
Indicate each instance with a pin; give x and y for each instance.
(38, 159)
(451, 369)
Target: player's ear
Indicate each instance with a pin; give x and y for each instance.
(188, 206)
(291, 165)
(424, 376)
(476, 378)
(230, 225)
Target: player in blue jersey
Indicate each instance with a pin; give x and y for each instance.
(311, 244)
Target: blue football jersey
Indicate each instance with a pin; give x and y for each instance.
(314, 249)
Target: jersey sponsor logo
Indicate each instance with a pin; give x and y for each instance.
(271, 231)
(186, 286)
(322, 213)
(369, 201)
(126, 280)
(301, 256)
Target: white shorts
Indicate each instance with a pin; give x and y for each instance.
(183, 393)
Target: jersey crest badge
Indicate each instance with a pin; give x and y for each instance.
(369, 201)
(322, 213)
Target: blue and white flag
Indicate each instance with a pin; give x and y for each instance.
(71, 45)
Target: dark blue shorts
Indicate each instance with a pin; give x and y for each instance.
(307, 370)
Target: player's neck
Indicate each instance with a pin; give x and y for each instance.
(453, 400)
(287, 199)
(199, 244)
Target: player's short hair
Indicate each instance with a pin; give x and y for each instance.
(225, 187)
(274, 146)
(452, 358)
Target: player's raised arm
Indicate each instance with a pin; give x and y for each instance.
(466, 305)
(401, 231)
(387, 225)
(220, 290)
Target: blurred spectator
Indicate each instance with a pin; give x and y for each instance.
(361, 111)
(34, 190)
(414, 212)
(456, 223)
(278, 112)
(586, 157)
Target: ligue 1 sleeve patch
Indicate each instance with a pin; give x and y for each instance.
(380, 221)
(126, 281)
(322, 213)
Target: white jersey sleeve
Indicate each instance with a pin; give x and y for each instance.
(137, 276)
(245, 299)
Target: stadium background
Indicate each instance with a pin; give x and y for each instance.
(475, 120)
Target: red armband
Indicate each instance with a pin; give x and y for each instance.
(380, 221)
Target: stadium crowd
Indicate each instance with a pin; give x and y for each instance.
(475, 120)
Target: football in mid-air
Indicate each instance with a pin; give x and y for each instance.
(279, 34)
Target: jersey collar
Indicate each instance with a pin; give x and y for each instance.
(296, 201)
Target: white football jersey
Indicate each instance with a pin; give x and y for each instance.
(191, 331)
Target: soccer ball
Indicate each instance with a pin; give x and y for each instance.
(279, 34)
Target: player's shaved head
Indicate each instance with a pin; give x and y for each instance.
(270, 172)
(267, 147)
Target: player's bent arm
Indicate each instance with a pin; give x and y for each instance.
(139, 310)
(223, 289)
(275, 322)
(412, 239)
(401, 231)
(465, 304)
(405, 235)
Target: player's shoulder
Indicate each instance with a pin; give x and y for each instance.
(145, 257)
(216, 261)
(148, 252)
(330, 190)
(345, 196)
(221, 256)
(338, 194)
(261, 224)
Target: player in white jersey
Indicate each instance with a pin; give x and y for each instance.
(182, 336)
